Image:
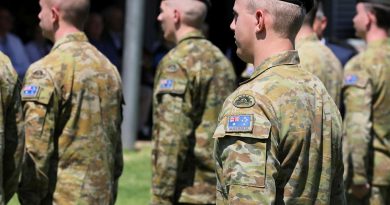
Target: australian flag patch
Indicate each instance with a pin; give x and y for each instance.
(166, 84)
(30, 91)
(351, 80)
(239, 123)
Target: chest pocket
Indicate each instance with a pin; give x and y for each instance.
(243, 141)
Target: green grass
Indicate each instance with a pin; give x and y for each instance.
(134, 184)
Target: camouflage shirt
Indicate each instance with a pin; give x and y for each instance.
(320, 60)
(278, 140)
(72, 100)
(11, 130)
(366, 126)
(191, 83)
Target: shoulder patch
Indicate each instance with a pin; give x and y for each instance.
(239, 123)
(351, 80)
(166, 84)
(172, 68)
(30, 91)
(244, 101)
(38, 74)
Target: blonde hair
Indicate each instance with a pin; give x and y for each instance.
(287, 17)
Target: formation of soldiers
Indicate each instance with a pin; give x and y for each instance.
(278, 138)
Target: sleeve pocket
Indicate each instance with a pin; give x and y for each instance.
(244, 154)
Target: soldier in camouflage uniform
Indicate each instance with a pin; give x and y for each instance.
(191, 83)
(72, 100)
(318, 58)
(278, 140)
(11, 130)
(366, 96)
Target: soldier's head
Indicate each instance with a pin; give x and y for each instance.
(180, 14)
(256, 20)
(6, 21)
(311, 15)
(371, 14)
(56, 13)
(320, 21)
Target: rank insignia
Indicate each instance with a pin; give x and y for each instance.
(30, 91)
(351, 80)
(244, 101)
(239, 123)
(166, 84)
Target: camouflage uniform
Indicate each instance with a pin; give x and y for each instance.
(366, 126)
(319, 60)
(72, 102)
(278, 140)
(11, 130)
(191, 83)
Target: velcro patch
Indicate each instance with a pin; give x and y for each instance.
(166, 84)
(239, 123)
(30, 91)
(351, 80)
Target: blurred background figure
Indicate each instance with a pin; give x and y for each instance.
(38, 46)
(342, 50)
(113, 18)
(317, 58)
(94, 29)
(11, 45)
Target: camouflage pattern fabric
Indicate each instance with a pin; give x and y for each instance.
(11, 130)
(366, 126)
(191, 83)
(320, 60)
(72, 101)
(278, 140)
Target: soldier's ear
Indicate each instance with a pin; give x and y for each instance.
(371, 18)
(176, 16)
(259, 15)
(55, 14)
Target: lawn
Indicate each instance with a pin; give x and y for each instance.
(134, 184)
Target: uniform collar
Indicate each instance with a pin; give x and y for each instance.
(285, 58)
(191, 35)
(73, 37)
(378, 43)
(310, 38)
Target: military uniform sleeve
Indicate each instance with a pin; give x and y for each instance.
(14, 142)
(40, 104)
(170, 134)
(244, 174)
(118, 169)
(222, 84)
(357, 123)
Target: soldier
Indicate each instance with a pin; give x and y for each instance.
(11, 130)
(366, 97)
(72, 100)
(191, 83)
(317, 58)
(278, 140)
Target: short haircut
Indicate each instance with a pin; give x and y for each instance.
(320, 14)
(382, 14)
(287, 17)
(193, 12)
(311, 15)
(75, 12)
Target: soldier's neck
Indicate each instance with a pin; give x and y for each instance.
(376, 34)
